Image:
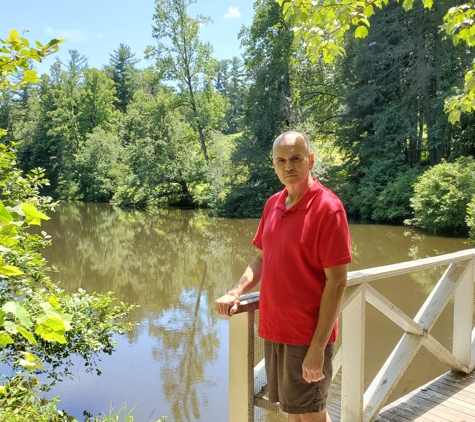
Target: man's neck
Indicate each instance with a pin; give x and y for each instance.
(296, 192)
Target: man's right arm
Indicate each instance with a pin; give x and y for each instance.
(228, 304)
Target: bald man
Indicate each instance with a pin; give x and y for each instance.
(303, 250)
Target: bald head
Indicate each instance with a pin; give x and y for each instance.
(291, 136)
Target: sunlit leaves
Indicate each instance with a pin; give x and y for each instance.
(15, 55)
(32, 215)
(51, 328)
(19, 312)
(361, 32)
(463, 102)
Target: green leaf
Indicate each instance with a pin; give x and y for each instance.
(54, 302)
(361, 32)
(407, 4)
(19, 311)
(10, 270)
(25, 333)
(30, 76)
(454, 116)
(5, 216)
(32, 215)
(9, 230)
(14, 35)
(5, 339)
(369, 10)
(52, 329)
(428, 3)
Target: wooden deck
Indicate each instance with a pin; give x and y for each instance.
(449, 398)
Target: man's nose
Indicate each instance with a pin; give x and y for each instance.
(289, 166)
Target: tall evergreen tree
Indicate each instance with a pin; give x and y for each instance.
(122, 71)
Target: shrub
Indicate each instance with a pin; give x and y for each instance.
(442, 194)
(393, 204)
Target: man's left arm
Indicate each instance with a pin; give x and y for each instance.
(336, 279)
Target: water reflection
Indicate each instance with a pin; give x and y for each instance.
(174, 264)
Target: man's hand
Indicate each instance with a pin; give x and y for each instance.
(227, 305)
(312, 366)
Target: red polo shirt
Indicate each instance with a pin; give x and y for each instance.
(297, 244)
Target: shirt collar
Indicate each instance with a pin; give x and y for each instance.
(306, 200)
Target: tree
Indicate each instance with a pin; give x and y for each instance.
(98, 166)
(321, 27)
(160, 153)
(96, 103)
(268, 111)
(122, 71)
(182, 57)
(236, 89)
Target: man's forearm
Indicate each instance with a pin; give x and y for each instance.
(330, 305)
(250, 278)
(228, 304)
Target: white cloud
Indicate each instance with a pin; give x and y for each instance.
(73, 35)
(233, 12)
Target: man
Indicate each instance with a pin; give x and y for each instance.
(303, 250)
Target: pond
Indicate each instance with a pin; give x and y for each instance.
(174, 264)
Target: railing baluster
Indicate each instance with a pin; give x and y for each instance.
(240, 395)
(463, 318)
(353, 349)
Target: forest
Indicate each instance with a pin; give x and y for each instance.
(193, 131)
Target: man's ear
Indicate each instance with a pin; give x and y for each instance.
(311, 159)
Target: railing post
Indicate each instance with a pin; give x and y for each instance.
(353, 350)
(463, 317)
(241, 395)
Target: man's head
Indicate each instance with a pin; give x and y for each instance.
(292, 159)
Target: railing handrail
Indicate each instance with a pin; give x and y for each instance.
(250, 301)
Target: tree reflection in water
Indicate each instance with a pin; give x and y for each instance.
(172, 263)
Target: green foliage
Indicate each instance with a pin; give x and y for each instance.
(19, 402)
(321, 28)
(41, 326)
(442, 194)
(161, 153)
(99, 168)
(183, 58)
(39, 322)
(15, 56)
(383, 193)
(470, 219)
(122, 71)
(322, 25)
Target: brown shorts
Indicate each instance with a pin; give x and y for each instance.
(285, 381)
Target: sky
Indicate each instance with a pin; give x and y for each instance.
(95, 28)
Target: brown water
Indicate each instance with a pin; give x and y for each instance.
(174, 264)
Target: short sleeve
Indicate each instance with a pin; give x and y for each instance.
(334, 241)
(257, 241)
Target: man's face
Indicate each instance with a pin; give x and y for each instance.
(292, 161)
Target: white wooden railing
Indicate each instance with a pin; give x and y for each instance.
(358, 405)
